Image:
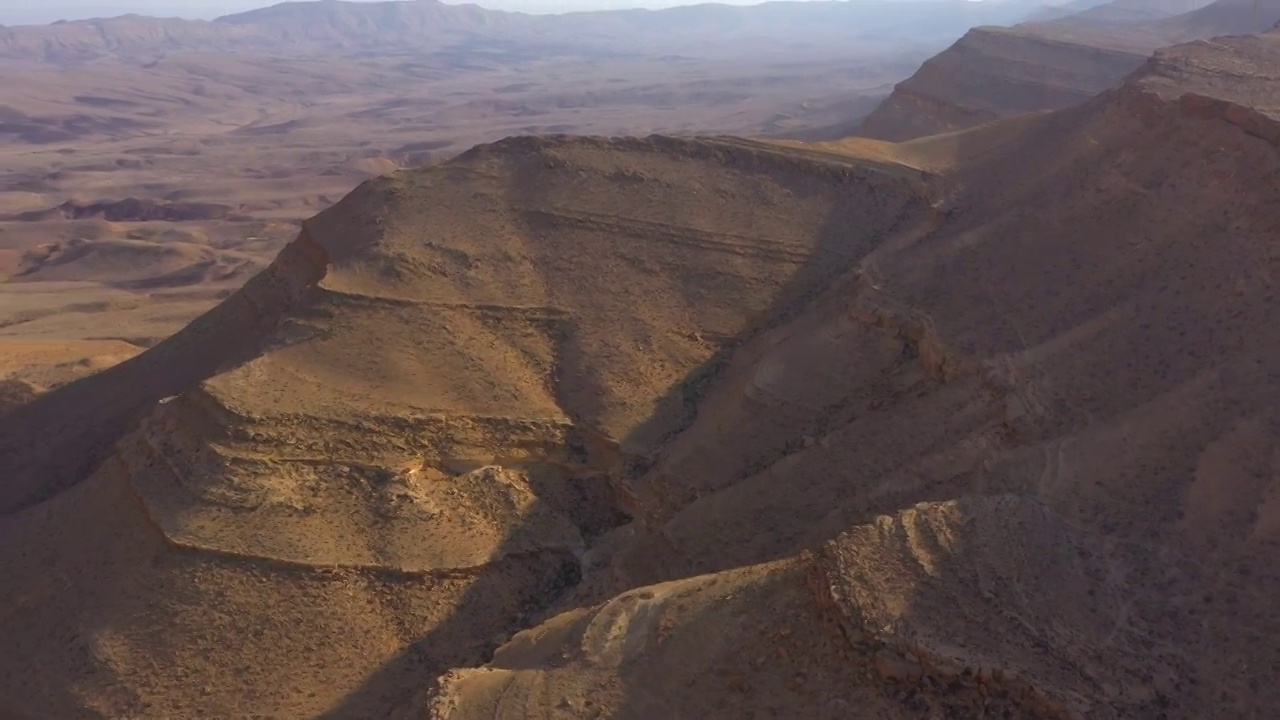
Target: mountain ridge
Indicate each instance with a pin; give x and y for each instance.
(308, 28)
(981, 420)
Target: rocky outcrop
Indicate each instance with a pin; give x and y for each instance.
(955, 609)
(14, 393)
(973, 596)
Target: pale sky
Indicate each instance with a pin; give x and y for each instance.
(21, 12)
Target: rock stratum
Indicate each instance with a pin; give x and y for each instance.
(980, 425)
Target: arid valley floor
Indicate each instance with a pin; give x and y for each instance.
(402, 360)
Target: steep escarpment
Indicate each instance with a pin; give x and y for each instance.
(408, 430)
(1231, 79)
(1007, 245)
(993, 73)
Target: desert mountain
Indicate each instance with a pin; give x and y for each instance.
(425, 399)
(1136, 416)
(467, 32)
(993, 72)
(984, 420)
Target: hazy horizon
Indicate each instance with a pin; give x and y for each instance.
(49, 11)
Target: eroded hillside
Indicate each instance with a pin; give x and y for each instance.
(977, 425)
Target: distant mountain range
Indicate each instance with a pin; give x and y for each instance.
(427, 26)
